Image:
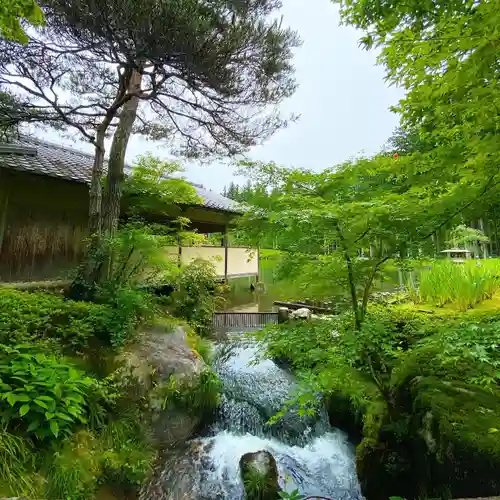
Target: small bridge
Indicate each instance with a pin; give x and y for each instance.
(243, 320)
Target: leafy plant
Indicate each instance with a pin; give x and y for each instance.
(196, 294)
(65, 324)
(202, 395)
(11, 14)
(125, 454)
(295, 495)
(74, 469)
(118, 456)
(41, 395)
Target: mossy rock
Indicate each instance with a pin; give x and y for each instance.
(259, 473)
(343, 414)
(460, 424)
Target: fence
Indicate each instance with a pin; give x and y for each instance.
(233, 320)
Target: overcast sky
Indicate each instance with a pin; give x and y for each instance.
(342, 100)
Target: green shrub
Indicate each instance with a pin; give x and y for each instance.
(303, 345)
(40, 395)
(202, 396)
(74, 468)
(196, 294)
(28, 317)
(129, 306)
(117, 456)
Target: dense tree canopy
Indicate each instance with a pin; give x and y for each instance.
(445, 55)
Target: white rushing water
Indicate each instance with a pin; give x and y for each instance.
(323, 467)
(309, 454)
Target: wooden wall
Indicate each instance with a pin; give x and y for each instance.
(43, 224)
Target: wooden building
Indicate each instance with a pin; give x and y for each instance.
(44, 215)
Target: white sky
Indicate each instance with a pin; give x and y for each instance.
(342, 99)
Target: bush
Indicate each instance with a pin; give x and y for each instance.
(201, 397)
(34, 317)
(41, 396)
(302, 345)
(196, 294)
(118, 456)
(129, 307)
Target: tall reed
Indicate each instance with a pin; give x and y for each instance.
(464, 285)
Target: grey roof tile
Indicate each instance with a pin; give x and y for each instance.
(73, 165)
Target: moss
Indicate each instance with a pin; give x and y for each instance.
(464, 424)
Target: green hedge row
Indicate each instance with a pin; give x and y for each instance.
(28, 317)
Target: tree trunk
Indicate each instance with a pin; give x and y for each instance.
(352, 289)
(116, 164)
(95, 192)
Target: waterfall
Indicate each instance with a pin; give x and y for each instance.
(310, 455)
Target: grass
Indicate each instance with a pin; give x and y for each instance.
(462, 285)
(15, 453)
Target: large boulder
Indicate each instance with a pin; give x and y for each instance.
(260, 476)
(159, 364)
(181, 475)
(303, 313)
(445, 445)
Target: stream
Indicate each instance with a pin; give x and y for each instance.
(310, 455)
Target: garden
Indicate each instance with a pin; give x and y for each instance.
(100, 381)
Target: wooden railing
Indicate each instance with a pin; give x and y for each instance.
(233, 320)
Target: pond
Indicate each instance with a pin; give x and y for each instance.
(241, 298)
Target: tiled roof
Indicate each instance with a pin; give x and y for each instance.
(70, 164)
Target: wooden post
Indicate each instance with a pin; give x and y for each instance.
(258, 264)
(179, 251)
(226, 252)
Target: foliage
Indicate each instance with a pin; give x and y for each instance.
(465, 351)
(15, 453)
(118, 456)
(196, 294)
(202, 347)
(349, 220)
(201, 396)
(41, 395)
(74, 468)
(421, 387)
(28, 317)
(464, 285)
(152, 189)
(295, 495)
(11, 13)
(466, 236)
(126, 455)
(443, 55)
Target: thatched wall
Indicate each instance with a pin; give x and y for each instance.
(43, 224)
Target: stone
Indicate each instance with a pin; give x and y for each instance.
(147, 367)
(283, 314)
(259, 473)
(302, 313)
(180, 476)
